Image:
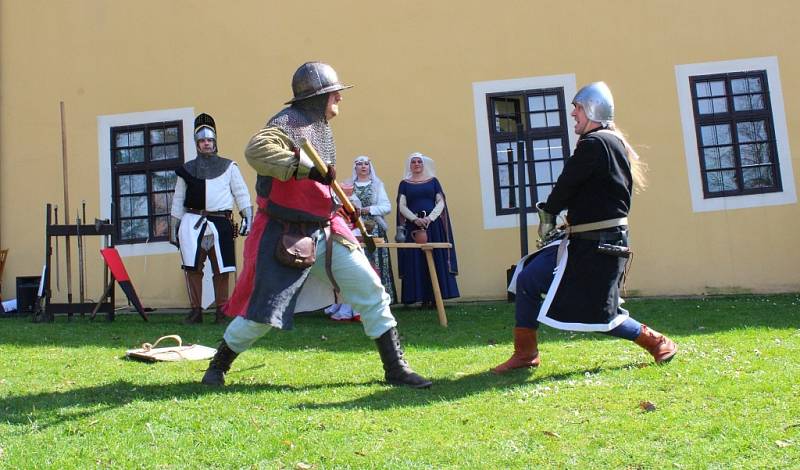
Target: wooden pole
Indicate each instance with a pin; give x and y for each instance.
(66, 198)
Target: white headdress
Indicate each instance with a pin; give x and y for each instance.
(428, 167)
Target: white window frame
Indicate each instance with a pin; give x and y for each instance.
(479, 91)
(784, 159)
(104, 125)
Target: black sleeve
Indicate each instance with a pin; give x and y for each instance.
(588, 156)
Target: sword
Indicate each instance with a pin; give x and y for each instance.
(322, 167)
(80, 259)
(58, 269)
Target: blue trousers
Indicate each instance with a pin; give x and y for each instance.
(532, 285)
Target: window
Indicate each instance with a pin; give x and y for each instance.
(143, 163)
(531, 124)
(735, 137)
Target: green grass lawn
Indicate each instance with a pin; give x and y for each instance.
(313, 397)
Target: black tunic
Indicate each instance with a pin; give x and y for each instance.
(595, 185)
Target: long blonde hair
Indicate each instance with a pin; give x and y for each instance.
(638, 167)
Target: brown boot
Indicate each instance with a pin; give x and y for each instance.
(661, 347)
(526, 352)
(219, 317)
(195, 316)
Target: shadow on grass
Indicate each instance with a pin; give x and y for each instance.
(470, 325)
(43, 410)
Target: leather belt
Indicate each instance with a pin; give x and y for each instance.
(609, 223)
(205, 213)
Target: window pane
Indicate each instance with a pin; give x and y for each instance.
(132, 206)
(506, 152)
(719, 181)
(122, 139)
(160, 205)
(556, 151)
(132, 184)
(542, 192)
(704, 106)
(136, 155)
(558, 167)
(502, 175)
(157, 153)
(161, 228)
(122, 156)
(553, 119)
(551, 102)
(171, 151)
(703, 89)
(758, 177)
(754, 154)
(505, 125)
(754, 84)
(711, 157)
(757, 101)
(538, 120)
(536, 103)
(741, 103)
(541, 150)
(715, 134)
(542, 170)
(164, 180)
(750, 131)
(171, 134)
(720, 105)
(156, 136)
(126, 229)
(502, 107)
(138, 183)
(141, 229)
(739, 85)
(726, 157)
(505, 203)
(718, 88)
(136, 138)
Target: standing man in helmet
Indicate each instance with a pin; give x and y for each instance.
(294, 200)
(202, 208)
(573, 283)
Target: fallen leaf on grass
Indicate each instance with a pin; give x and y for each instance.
(323, 338)
(791, 426)
(288, 444)
(303, 466)
(361, 453)
(647, 406)
(552, 434)
(783, 443)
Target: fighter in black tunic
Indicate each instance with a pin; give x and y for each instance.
(573, 283)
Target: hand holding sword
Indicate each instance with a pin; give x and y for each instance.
(322, 168)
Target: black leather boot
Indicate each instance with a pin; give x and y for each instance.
(220, 364)
(195, 316)
(397, 369)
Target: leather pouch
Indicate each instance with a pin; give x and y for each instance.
(295, 249)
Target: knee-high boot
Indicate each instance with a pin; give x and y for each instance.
(194, 283)
(526, 351)
(662, 348)
(220, 364)
(220, 295)
(398, 372)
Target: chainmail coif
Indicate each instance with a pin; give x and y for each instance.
(306, 119)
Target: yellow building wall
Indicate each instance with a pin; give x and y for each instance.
(414, 64)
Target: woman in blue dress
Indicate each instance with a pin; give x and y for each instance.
(421, 206)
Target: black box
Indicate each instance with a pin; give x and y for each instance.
(27, 290)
